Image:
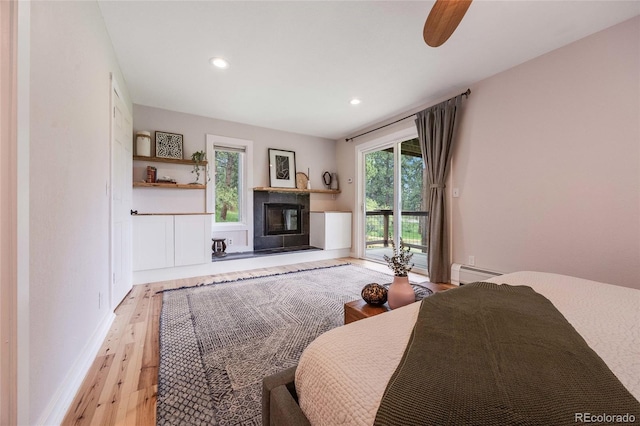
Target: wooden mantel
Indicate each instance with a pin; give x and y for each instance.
(296, 190)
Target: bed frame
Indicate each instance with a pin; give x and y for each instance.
(280, 400)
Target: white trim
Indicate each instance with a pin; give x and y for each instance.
(61, 400)
(246, 224)
(8, 211)
(126, 275)
(225, 266)
(23, 184)
(399, 136)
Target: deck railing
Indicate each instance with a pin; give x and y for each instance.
(379, 228)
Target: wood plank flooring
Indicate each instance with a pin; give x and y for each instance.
(121, 385)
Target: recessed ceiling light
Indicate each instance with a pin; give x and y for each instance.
(354, 101)
(219, 62)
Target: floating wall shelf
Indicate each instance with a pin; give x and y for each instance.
(168, 160)
(169, 185)
(296, 190)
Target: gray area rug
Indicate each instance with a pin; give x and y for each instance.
(218, 341)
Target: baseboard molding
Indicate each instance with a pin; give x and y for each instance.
(63, 397)
(155, 275)
(465, 274)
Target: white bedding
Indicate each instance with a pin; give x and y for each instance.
(342, 374)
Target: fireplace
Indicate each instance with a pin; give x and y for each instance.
(282, 219)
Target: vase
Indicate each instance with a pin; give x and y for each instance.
(400, 292)
(143, 144)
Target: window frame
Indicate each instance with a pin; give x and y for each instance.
(246, 193)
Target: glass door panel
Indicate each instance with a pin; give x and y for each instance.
(395, 172)
(412, 202)
(379, 205)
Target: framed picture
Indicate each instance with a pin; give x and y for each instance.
(168, 145)
(282, 168)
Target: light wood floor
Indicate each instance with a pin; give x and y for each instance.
(121, 385)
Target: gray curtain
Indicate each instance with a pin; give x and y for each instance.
(435, 131)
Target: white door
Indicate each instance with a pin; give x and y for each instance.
(121, 189)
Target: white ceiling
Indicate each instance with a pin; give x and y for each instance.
(295, 65)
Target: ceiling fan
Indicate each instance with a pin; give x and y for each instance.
(443, 20)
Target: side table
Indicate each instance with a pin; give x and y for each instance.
(359, 309)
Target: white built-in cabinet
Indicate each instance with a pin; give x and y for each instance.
(192, 239)
(165, 241)
(330, 230)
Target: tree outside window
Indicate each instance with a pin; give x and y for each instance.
(228, 186)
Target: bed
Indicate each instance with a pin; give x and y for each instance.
(341, 376)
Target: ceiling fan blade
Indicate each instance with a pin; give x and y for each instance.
(443, 20)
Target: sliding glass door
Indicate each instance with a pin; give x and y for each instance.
(394, 202)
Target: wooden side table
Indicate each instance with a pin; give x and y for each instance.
(359, 309)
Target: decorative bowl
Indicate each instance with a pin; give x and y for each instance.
(374, 294)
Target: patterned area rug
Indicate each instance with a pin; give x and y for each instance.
(218, 341)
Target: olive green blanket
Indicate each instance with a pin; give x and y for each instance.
(497, 354)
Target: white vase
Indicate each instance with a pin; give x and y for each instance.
(400, 292)
(143, 144)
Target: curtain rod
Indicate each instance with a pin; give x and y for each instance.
(466, 94)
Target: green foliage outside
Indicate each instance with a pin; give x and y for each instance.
(379, 191)
(232, 216)
(227, 186)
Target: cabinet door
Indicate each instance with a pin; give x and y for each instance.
(193, 239)
(330, 230)
(337, 230)
(152, 242)
(317, 229)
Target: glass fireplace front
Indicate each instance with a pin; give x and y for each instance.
(281, 219)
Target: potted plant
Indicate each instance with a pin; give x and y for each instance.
(199, 157)
(400, 291)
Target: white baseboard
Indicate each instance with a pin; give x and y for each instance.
(465, 274)
(225, 266)
(63, 397)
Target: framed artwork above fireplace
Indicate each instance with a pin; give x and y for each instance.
(282, 168)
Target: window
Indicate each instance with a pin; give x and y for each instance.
(227, 173)
(231, 179)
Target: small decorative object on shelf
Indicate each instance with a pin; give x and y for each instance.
(143, 144)
(334, 181)
(302, 179)
(199, 158)
(151, 174)
(326, 178)
(400, 291)
(166, 179)
(330, 180)
(374, 294)
(168, 145)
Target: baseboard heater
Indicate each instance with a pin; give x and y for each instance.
(465, 274)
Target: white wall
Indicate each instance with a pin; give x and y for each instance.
(317, 154)
(71, 58)
(547, 160)
(548, 163)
